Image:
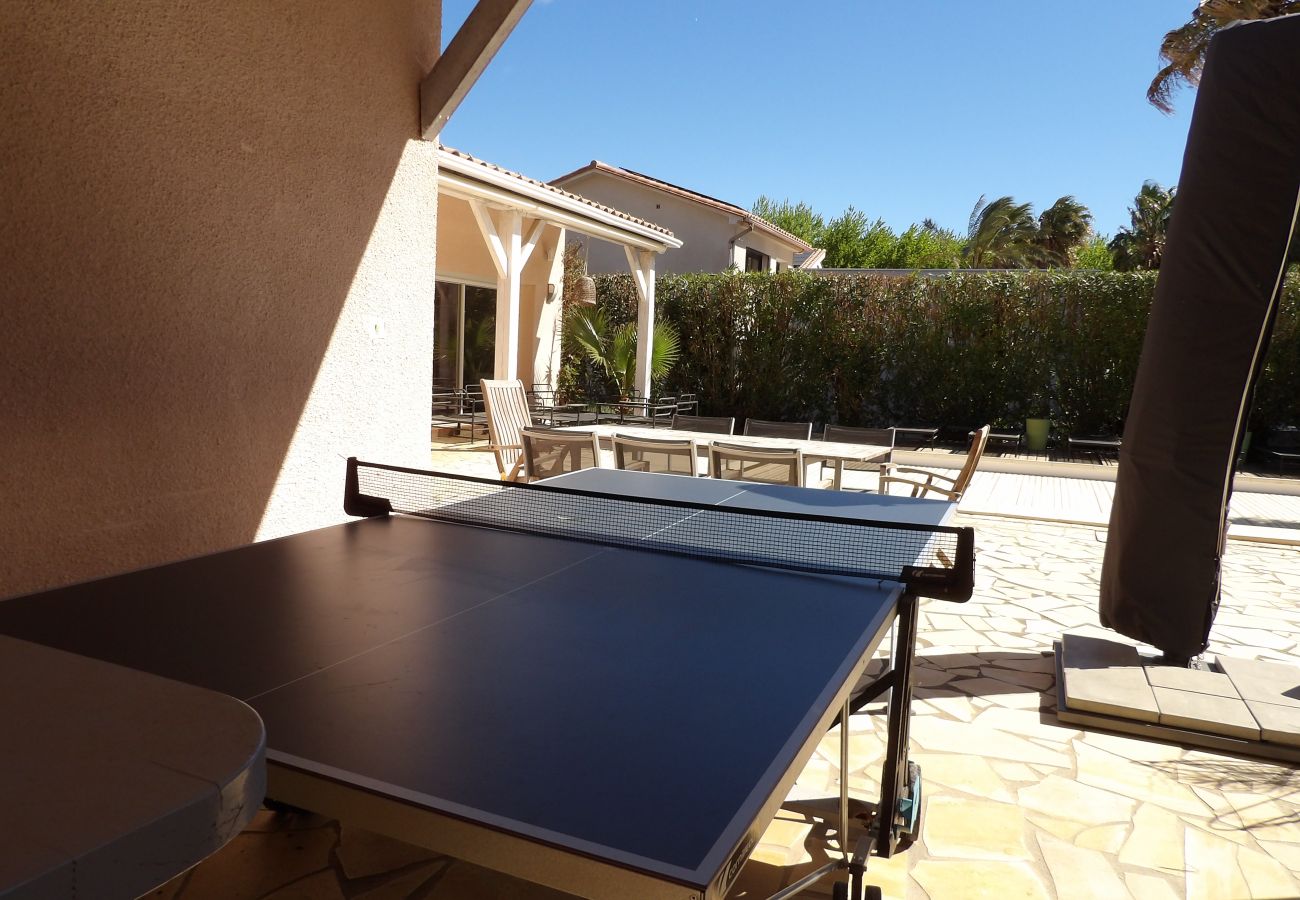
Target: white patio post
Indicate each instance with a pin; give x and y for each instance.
(509, 250)
(642, 263)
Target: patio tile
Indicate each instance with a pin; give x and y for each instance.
(1265, 819)
(1150, 887)
(1143, 783)
(1063, 798)
(1287, 854)
(1280, 724)
(1079, 873)
(1264, 681)
(970, 774)
(256, 863)
(362, 853)
(1206, 712)
(1029, 723)
(979, 880)
(1064, 829)
(1212, 871)
(406, 885)
(974, 829)
(1196, 681)
(1106, 838)
(936, 734)
(1156, 841)
(1013, 771)
(1265, 876)
(1030, 681)
(1105, 677)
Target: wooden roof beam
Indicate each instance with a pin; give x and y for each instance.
(477, 41)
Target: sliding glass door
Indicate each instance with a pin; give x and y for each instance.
(464, 334)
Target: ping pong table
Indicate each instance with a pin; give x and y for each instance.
(606, 684)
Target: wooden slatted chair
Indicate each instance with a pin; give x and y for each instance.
(759, 428)
(670, 457)
(956, 486)
(766, 464)
(505, 405)
(548, 452)
(705, 424)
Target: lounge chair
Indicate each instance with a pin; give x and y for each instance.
(956, 486)
(506, 406)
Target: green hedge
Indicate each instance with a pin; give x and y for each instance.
(962, 348)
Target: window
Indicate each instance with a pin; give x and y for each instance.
(464, 334)
(755, 261)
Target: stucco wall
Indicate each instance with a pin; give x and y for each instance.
(218, 246)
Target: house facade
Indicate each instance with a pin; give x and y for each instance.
(715, 235)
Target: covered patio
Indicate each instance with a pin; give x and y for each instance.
(504, 234)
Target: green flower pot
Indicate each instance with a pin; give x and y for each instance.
(1036, 434)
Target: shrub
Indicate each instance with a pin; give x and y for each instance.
(958, 348)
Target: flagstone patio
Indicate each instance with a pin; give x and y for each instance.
(1016, 803)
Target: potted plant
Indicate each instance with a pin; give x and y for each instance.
(1037, 425)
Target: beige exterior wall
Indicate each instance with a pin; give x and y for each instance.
(463, 257)
(218, 247)
(705, 232)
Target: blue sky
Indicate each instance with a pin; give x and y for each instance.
(903, 110)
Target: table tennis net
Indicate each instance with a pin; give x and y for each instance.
(932, 561)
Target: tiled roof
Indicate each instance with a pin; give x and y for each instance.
(730, 208)
(609, 210)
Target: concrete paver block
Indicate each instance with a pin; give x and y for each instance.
(1206, 712)
(1106, 677)
(1269, 682)
(1280, 724)
(1197, 681)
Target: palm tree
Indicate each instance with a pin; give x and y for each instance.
(1141, 245)
(1062, 227)
(1001, 234)
(1183, 49)
(613, 350)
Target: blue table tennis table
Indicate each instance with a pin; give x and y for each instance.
(606, 683)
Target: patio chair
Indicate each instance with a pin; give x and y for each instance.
(844, 434)
(771, 465)
(758, 428)
(506, 406)
(665, 456)
(956, 486)
(548, 452)
(705, 424)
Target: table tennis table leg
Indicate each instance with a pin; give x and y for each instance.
(894, 776)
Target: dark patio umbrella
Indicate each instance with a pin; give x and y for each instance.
(1215, 304)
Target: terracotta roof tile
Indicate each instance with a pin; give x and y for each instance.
(730, 208)
(460, 154)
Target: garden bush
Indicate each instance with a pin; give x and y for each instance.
(959, 348)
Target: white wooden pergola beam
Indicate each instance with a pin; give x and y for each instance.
(642, 264)
(496, 247)
(530, 242)
(460, 65)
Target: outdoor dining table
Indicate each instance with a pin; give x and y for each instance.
(832, 452)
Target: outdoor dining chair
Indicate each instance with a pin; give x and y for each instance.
(665, 456)
(845, 434)
(505, 404)
(705, 424)
(758, 428)
(772, 465)
(956, 486)
(548, 452)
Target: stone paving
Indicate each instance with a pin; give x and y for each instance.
(1016, 804)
